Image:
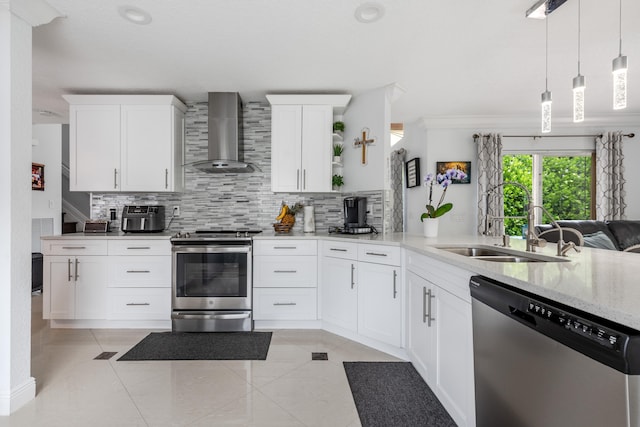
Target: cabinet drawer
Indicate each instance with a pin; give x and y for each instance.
(380, 254)
(139, 247)
(74, 247)
(344, 250)
(285, 271)
(285, 247)
(139, 304)
(143, 271)
(285, 304)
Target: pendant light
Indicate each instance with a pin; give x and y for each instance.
(546, 95)
(578, 85)
(620, 75)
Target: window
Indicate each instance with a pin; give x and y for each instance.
(562, 183)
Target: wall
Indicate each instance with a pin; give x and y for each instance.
(48, 151)
(368, 110)
(453, 140)
(233, 200)
(16, 384)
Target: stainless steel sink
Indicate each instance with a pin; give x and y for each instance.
(485, 253)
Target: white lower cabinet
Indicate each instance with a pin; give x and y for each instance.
(77, 287)
(440, 335)
(139, 280)
(380, 302)
(285, 279)
(109, 282)
(339, 292)
(361, 290)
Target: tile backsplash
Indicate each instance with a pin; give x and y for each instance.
(234, 200)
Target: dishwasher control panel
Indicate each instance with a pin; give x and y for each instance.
(586, 329)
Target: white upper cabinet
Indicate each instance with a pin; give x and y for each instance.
(302, 141)
(126, 143)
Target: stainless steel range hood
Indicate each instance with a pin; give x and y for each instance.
(225, 135)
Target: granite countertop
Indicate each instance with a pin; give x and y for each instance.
(163, 235)
(602, 282)
(598, 281)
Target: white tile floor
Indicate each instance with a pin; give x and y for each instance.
(287, 389)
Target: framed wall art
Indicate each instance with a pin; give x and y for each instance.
(413, 172)
(37, 176)
(442, 167)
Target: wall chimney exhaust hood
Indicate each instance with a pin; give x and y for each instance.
(224, 136)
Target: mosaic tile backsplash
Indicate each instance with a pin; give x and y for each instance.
(234, 200)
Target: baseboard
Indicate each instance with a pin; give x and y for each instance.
(18, 397)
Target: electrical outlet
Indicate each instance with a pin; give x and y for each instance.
(176, 211)
(370, 209)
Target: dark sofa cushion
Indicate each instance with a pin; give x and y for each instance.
(598, 240)
(626, 233)
(583, 226)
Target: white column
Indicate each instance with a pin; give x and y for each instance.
(17, 387)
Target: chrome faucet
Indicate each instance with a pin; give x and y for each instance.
(562, 246)
(531, 238)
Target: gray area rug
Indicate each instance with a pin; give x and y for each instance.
(390, 394)
(201, 346)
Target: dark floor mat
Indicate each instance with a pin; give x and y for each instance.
(390, 394)
(201, 346)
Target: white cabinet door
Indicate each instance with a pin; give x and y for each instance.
(94, 148)
(340, 293)
(147, 148)
(91, 287)
(453, 382)
(317, 148)
(301, 148)
(421, 331)
(75, 287)
(59, 288)
(286, 146)
(380, 303)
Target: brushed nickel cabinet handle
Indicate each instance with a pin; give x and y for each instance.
(285, 247)
(285, 271)
(74, 247)
(284, 303)
(429, 295)
(138, 271)
(115, 178)
(338, 249)
(353, 268)
(375, 254)
(297, 179)
(69, 269)
(166, 179)
(304, 179)
(395, 291)
(138, 247)
(138, 303)
(77, 263)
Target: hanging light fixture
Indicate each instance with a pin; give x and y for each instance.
(578, 84)
(546, 95)
(620, 75)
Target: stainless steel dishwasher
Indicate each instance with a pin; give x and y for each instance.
(541, 363)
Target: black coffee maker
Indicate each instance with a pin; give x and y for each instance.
(355, 215)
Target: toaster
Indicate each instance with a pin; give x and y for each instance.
(142, 219)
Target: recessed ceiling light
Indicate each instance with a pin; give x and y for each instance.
(134, 14)
(369, 12)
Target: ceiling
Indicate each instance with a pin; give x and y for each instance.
(452, 58)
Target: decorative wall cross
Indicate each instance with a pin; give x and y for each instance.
(364, 141)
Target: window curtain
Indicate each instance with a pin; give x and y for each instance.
(610, 182)
(489, 175)
(397, 189)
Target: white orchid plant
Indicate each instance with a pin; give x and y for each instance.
(444, 180)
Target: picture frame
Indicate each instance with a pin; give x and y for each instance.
(412, 169)
(442, 167)
(37, 176)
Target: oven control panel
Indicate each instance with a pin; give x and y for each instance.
(584, 328)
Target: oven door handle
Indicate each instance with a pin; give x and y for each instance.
(221, 316)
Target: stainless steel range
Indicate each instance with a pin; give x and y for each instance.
(211, 281)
